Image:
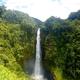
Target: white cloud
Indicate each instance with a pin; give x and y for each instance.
(43, 9)
(72, 5)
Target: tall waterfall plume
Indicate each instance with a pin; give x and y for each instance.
(38, 72)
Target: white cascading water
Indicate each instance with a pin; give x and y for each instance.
(38, 74)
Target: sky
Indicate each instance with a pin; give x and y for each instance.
(43, 9)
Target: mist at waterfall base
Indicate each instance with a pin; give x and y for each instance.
(34, 66)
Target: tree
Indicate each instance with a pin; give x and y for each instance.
(2, 10)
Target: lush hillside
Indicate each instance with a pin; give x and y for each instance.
(61, 47)
(74, 15)
(6, 74)
(17, 43)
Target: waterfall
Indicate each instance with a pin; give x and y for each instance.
(37, 68)
(38, 74)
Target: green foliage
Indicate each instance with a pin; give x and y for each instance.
(74, 15)
(61, 44)
(17, 43)
(6, 74)
(2, 10)
(14, 16)
(58, 74)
